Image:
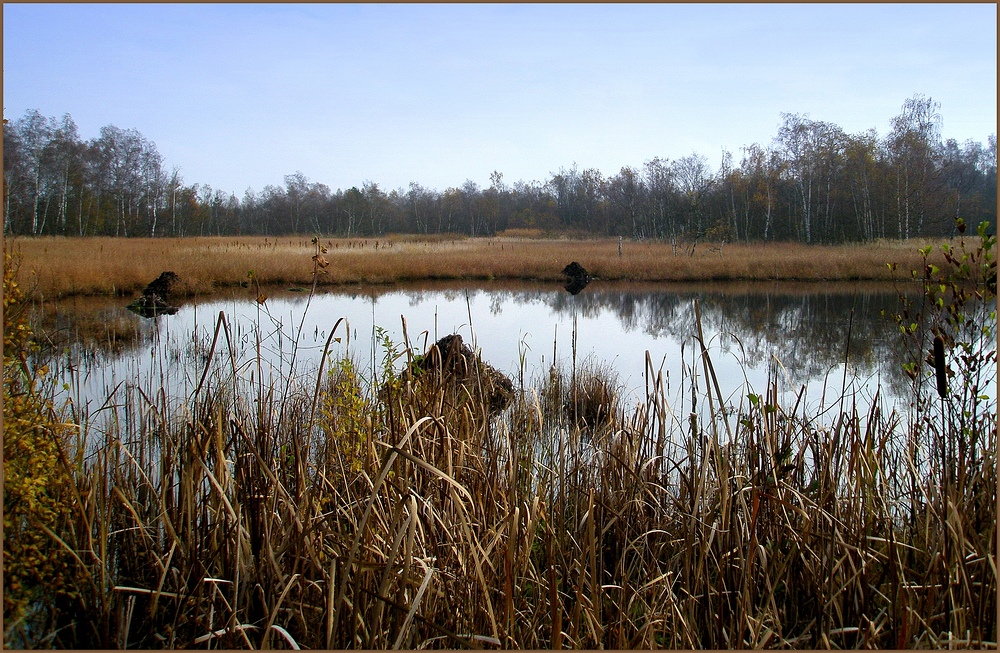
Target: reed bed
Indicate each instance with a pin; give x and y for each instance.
(56, 267)
(338, 515)
(400, 510)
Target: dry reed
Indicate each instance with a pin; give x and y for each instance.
(56, 267)
(414, 519)
(399, 511)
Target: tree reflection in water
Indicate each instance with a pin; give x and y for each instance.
(804, 325)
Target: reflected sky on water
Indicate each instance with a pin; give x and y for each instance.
(801, 330)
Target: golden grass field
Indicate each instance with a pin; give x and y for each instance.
(58, 266)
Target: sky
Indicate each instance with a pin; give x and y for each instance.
(237, 96)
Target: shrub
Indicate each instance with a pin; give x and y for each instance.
(345, 419)
(40, 573)
(949, 339)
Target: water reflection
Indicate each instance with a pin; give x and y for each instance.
(808, 327)
(521, 328)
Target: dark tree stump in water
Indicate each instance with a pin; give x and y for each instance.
(154, 299)
(162, 285)
(577, 278)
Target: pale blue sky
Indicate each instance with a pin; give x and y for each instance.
(237, 96)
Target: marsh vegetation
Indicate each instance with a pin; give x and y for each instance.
(59, 267)
(376, 506)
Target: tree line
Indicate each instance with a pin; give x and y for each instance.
(812, 183)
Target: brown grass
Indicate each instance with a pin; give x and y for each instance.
(334, 514)
(420, 522)
(55, 267)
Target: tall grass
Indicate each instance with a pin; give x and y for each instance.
(56, 267)
(400, 511)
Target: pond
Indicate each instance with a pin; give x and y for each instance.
(821, 341)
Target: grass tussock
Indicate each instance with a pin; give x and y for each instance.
(56, 267)
(402, 510)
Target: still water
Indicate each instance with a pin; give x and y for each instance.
(820, 340)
